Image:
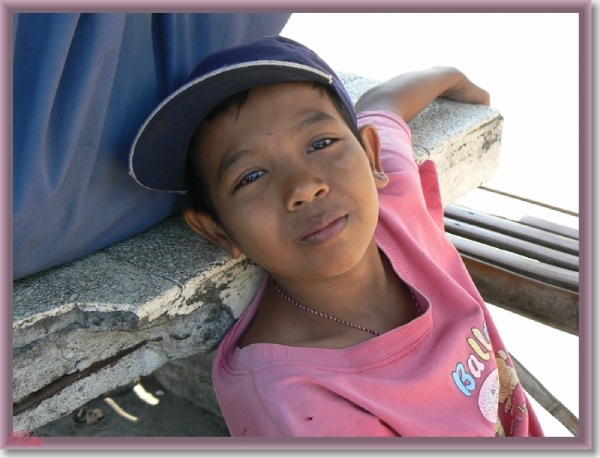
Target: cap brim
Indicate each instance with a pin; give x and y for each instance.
(157, 157)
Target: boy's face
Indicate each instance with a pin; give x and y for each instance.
(293, 187)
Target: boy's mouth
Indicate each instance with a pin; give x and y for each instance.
(324, 227)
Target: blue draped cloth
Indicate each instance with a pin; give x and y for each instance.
(83, 85)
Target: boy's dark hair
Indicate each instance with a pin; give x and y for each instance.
(197, 196)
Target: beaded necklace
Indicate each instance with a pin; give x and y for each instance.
(325, 315)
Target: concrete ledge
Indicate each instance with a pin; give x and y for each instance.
(92, 325)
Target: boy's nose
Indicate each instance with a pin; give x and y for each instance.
(303, 189)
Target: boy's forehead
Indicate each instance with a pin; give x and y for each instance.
(281, 107)
(295, 102)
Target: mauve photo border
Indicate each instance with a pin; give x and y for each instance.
(581, 7)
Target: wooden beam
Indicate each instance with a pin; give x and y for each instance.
(538, 392)
(549, 226)
(512, 262)
(513, 244)
(544, 303)
(513, 228)
(529, 201)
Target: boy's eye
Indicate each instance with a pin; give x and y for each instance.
(320, 144)
(253, 176)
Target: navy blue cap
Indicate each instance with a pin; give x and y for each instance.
(157, 156)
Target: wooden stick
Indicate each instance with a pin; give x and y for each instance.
(545, 398)
(530, 201)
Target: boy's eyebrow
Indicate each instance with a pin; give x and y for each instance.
(311, 117)
(230, 160)
(314, 116)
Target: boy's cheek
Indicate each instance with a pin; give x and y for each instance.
(349, 161)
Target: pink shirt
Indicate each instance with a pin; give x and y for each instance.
(446, 373)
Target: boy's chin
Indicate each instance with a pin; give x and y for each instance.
(323, 267)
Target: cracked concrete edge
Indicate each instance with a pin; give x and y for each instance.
(234, 286)
(161, 296)
(110, 279)
(38, 365)
(175, 338)
(98, 282)
(477, 152)
(142, 362)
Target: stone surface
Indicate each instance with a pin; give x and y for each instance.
(95, 324)
(464, 142)
(190, 378)
(73, 320)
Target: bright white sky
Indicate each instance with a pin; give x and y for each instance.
(529, 64)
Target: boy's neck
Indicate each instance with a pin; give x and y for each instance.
(370, 295)
(345, 294)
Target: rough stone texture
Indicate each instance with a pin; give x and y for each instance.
(133, 294)
(92, 325)
(190, 378)
(464, 142)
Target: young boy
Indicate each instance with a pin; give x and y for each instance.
(367, 323)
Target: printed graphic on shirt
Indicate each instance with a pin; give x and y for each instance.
(523, 409)
(465, 377)
(496, 390)
(508, 381)
(488, 397)
(468, 376)
(515, 409)
(499, 428)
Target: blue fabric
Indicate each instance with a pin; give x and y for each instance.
(83, 85)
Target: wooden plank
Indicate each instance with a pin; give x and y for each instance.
(537, 203)
(513, 262)
(513, 244)
(544, 303)
(513, 228)
(549, 226)
(545, 398)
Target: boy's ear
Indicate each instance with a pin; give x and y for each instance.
(372, 143)
(209, 229)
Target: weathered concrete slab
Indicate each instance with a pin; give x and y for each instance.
(191, 379)
(464, 142)
(87, 327)
(123, 308)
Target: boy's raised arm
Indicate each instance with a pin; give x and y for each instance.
(410, 93)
